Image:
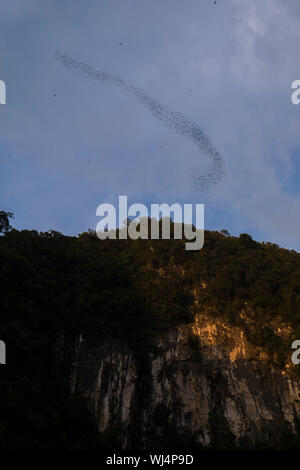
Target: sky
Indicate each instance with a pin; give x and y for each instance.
(69, 143)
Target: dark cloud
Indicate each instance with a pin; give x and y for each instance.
(172, 119)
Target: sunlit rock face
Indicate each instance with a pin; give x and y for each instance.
(204, 386)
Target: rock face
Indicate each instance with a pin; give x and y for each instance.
(205, 385)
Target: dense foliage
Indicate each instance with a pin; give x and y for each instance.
(54, 287)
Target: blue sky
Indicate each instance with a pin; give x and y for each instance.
(228, 66)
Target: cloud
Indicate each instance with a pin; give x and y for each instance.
(228, 66)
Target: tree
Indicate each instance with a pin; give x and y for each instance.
(4, 221)
(247, 241)
(225, 232)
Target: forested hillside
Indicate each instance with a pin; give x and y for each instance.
(55, 287)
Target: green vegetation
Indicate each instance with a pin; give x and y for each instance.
(4, 221)
(54, 287)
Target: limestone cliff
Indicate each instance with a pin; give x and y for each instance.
(205, 384)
